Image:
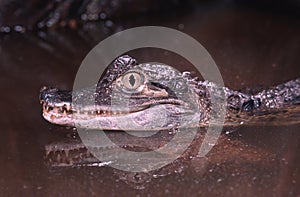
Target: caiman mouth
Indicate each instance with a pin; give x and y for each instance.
(56, 105)
(58, 108)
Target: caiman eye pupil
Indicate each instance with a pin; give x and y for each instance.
(132, 80)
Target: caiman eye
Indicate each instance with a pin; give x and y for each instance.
(132, 81)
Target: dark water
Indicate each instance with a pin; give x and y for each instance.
(250, 47)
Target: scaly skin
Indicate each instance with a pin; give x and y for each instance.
(165, 99)
(155, 96)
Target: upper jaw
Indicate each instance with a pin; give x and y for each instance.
(58, 108)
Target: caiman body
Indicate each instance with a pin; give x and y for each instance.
(156, 97)
(145, 97)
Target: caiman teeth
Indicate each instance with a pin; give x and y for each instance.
(68, 107)
(64, 109)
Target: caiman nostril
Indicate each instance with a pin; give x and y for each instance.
(43, 90)
(52, 97)
(49, 94)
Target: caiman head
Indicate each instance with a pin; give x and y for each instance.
(129, 96)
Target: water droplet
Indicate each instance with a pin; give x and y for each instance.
(5, 29)
(84, 17)
(103, 16)
(181, 26)
(19, 28)
(109, 23)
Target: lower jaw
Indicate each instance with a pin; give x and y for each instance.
(151, 119)
(59, 120)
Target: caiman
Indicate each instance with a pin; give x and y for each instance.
(153, 92)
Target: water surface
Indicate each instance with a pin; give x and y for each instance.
(250, 47)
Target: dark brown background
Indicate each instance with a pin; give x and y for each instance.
(253, 43)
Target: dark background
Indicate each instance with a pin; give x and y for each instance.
(254, 43)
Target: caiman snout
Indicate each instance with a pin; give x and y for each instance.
(56, 104)
(53, 96)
